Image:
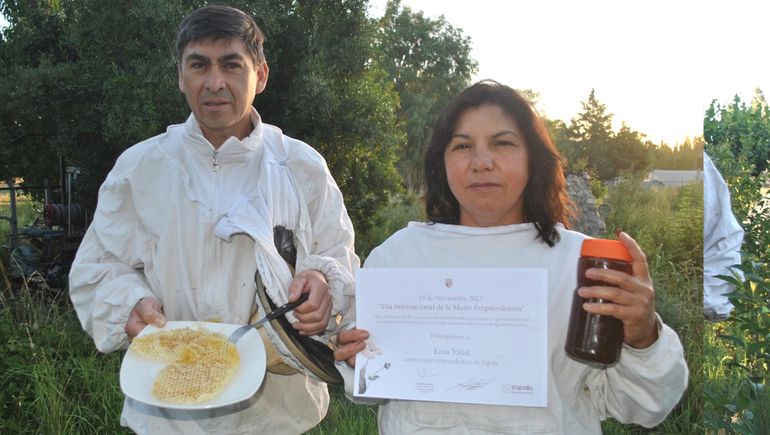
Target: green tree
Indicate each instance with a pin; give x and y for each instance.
(590, 136)
(332, 96)
(591, 143)
(82, 80)
(736, 136)
(628, 152)
(559, 133)
(745, 129)
(685, 156)
(428, 62)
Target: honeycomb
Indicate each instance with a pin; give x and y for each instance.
(201, 363)
(166, 346)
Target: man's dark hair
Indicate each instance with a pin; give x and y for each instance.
(545, 198)
(220, 22)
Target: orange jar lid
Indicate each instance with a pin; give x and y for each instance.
(604, 248)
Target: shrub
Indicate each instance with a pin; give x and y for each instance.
(401, 209)
(669, 218)
(738, 350)
(744, 406)
(668, 225)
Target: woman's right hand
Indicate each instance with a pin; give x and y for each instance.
(349, 343)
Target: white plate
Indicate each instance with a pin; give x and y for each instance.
(138, 374)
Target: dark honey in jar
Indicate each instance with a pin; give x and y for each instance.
(596, 339)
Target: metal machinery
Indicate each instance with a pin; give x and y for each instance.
(48, 246)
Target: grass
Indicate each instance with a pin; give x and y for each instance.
(54, 381)
(345, 418)
(61, 384)
(668, 225)
(678, 301)
(25, 216)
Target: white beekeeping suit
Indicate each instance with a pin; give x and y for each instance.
(722, 239)
(173, 226)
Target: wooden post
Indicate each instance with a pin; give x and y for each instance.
(13, 238)
(5, 277)
(13, 242)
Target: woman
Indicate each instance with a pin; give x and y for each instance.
(495, 198)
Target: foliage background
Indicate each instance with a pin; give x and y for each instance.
(737, 351)
(82, 80)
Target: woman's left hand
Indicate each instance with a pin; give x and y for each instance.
(633, 297)
(348, 343)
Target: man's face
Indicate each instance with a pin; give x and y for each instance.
(219, 80)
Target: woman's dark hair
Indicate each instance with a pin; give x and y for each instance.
(221, 22)
(545, 198)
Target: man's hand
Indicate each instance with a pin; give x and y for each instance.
(147, 311)
(313, 314)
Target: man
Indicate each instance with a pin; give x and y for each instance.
(186, 218)
(722, 239)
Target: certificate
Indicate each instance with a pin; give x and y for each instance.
(454, 335)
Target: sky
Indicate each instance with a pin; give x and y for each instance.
(656, 65)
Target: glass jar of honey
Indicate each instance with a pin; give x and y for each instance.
(596, 339)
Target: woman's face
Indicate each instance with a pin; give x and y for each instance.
(486, 164)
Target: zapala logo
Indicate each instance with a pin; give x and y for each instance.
(516, 389)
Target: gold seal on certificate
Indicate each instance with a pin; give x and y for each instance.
(454, 335)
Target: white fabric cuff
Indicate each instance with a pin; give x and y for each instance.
(658, 326)
(650, 355)
(331, 270)
(115, 327)
(715, 312)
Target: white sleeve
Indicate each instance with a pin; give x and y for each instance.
(722, 239)
(331, 247)
(645, 384)
(106, 279)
